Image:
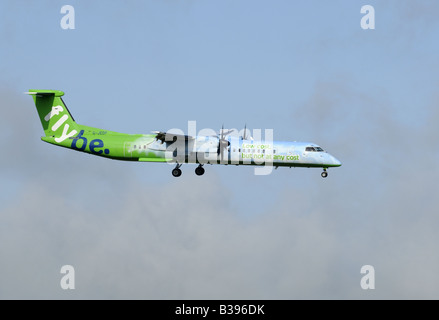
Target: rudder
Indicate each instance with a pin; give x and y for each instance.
(55, 118)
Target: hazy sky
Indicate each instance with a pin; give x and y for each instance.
(307, 70)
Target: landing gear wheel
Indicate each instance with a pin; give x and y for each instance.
(324, 174)
(176, 172)
(199, 171)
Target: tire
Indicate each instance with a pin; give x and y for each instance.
(199, 171)
(324, 174)
(176, 172)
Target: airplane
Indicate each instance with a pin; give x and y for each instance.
(61, 130)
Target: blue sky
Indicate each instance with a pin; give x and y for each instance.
(304, 69)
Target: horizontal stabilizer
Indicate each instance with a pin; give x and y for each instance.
(56, 93)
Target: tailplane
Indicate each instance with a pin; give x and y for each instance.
(56, 119)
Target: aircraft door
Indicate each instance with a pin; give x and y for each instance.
(305, 153)
(310, 155)
(128, 149)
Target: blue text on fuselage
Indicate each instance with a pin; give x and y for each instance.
(95, 145)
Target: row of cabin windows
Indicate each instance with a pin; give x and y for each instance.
(253, 151)
(239, 150)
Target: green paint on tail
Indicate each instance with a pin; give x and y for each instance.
(55, 118)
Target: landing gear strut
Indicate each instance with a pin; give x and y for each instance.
(324, 173)
(199, 171)
(176, 172)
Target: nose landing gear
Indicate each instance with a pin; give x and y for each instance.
(324, 173)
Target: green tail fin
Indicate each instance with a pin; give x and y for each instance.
(54, 116)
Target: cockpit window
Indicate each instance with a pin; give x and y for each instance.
(314, 149)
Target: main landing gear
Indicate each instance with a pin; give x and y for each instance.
(199, 171)
(176, 172)
(324, 173)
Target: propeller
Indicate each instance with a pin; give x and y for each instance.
(244, 137)
(222, 143)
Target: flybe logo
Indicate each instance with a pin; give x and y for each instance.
(95, 145)
(56, 110)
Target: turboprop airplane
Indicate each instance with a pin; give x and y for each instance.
(61, 130)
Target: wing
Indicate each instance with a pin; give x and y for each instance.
(171, 137)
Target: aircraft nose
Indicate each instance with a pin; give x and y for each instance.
(336, 162)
